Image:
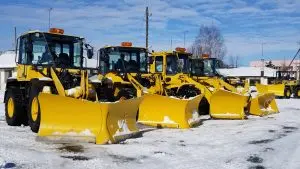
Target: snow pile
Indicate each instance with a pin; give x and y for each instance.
(168, 120)
(248, 72)
(123, 128)
(7, 59)
(2, 163)
(195, 118)
(95, 79)
(74, 91)
(258, 142)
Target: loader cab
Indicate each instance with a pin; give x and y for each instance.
(171, 63)
(123, 59)
(205, 67)
(286, 75)
(38, 50)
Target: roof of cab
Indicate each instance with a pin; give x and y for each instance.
(167, 52)
(108, 46)
(38, 31)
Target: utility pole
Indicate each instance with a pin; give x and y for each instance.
(262, 49)
(184, 38)
(49, 17)
(171, 43)
(15, 43)
(147, 26)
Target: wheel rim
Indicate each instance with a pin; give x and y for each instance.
(10, 107)
(34, 108)
(122, 98)
(288, 93)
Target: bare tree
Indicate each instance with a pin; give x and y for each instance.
(270, 65)
(231, 60)
(234, 61)
(209, 41)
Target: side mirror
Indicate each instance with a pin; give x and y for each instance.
(90, 53)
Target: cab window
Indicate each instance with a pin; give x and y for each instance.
(158, 64)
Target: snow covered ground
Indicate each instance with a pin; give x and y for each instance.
(267, 142)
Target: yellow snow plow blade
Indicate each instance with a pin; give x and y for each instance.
(65, 119)
(167, 112)
(277, 89)
(227, 105)
(263, 104)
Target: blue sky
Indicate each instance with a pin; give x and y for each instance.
(245, 24)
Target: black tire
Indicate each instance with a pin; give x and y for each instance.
(287, 93)
(18, 115)
(188, 91)
(34, 121)
(137, 115)
(203, 108)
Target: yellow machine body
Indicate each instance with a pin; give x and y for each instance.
(168, 110)
(162, 111)
(263, 104)
(227, 102)
(157, 108)
(285, 84)
(74, 117)
(62, 112)
(277, 89)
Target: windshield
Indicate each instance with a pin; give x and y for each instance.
(178, 64)
(204, 67)
(184, 63)
(124, 59)
(50, 48)
(286, 75)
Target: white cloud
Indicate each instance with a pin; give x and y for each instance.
(244, 24)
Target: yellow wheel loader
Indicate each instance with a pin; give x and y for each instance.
(125, 70)
(53, 95)
(284, 85)
(175, 69)
(226, 100)
(178, 105)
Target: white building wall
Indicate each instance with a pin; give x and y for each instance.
(4, 74)
(2, 80)
(278, 64)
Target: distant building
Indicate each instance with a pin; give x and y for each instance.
(7, 67)
(279, 64)
(252, 74)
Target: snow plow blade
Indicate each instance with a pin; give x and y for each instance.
(277, 89)
(65, 119)
(263, 104)
(227, 105)
(166, 112)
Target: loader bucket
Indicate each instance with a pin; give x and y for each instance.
(277, 89)
(65, 119)
(227, 105)
(263, 104)
(166, 112)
